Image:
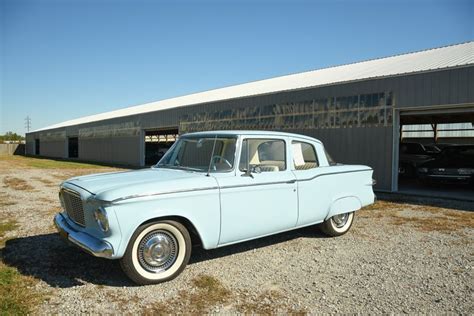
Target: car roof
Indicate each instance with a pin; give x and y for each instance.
(253, 133)
(459, 146)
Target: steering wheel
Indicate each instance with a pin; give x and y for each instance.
(220, 158)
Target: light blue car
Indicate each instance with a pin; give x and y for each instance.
(213, 189)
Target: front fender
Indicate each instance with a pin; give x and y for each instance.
(201, 209)
(344, 205)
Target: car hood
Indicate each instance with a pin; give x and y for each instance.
(122, 185)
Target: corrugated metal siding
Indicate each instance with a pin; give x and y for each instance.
(428, 60)
(30, 144)
(367, 146)
(123, 150)
(53, 148)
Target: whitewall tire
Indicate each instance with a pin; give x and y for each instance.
(157, 252)
(338, 225)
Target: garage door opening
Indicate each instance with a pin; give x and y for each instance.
(37, 146)
(73, 147)
(436, 154)
(157, 143)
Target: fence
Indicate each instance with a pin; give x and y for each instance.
(12, 149)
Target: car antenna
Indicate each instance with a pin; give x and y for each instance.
(212, 156)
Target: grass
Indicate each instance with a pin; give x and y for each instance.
(5, 200)
(8, 162)
(17, 184)
(421, 217)
(267, 303)
(6, 227)
(44, 181)
(16, 296)
(264, 304)
(207, 292)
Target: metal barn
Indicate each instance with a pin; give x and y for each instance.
(357, 110)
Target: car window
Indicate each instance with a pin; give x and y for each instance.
(304, 156)
(212, 154)
(461, 152)
(412, 149)
(263, 155)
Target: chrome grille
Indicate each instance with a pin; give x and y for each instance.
(444, 171)
(73, 205)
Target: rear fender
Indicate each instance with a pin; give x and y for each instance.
(343, 205)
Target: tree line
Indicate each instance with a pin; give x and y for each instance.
(10, 136)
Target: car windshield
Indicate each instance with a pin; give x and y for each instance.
(209, 153)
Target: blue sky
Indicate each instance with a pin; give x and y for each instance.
(66, 59)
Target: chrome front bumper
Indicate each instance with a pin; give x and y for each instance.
(92, 245)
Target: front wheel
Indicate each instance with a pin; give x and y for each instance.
(157, 252)
(338, 224)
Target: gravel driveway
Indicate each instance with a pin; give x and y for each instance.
(399, 257)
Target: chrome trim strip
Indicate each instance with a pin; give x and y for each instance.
(331, 173)
(257, 184)
(78, 186)
(449, 176)
(230, 186)
(92, 245)
(71, 192)
(161, 193)
(291, 181)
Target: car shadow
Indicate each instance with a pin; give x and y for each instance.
(49, 258)
(199, 254)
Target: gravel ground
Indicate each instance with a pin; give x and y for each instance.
(399, 257)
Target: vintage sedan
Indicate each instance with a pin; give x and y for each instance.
(455, 164)
(214, 189)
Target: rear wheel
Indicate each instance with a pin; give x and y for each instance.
(157, 252)
(338, 224)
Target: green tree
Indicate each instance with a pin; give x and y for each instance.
(10, 136)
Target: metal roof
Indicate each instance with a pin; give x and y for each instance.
(428, 60)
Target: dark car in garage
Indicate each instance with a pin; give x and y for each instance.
(413, 155)
(454, 164)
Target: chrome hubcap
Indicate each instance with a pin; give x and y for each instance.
(340, 220)
(158, 251)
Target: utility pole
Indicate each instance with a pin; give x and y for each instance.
(27, 123)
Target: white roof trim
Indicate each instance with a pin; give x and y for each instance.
(427, 60)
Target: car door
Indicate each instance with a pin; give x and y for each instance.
(260, 201)
(309, 164)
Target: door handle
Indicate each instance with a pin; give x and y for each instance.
(291, 181)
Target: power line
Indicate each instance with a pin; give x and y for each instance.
(28, 123)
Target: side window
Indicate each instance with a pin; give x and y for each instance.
(263, 155)
(304, 156)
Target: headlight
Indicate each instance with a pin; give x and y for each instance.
(100, 216)
(423, 170)
(466, 171)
